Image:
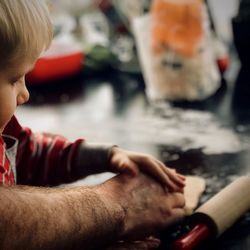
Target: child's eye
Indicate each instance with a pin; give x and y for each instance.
(15, 80)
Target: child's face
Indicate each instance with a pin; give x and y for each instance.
(13, 91)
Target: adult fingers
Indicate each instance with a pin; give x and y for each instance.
(175, 200)
(177, 215)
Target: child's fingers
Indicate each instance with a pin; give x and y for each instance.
(155, 170)
(158, 170)
(181, 177)
(175, 186)
(129, 167)
(176, 178)
(179, 181)
(120, 162)
(175, 172)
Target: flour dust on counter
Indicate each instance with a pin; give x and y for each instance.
(163, 124)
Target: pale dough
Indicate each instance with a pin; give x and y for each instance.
(193, 190)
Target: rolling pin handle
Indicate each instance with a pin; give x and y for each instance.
(190, 240)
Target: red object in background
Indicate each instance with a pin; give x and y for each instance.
(223, 64)
(62, 60)
(103, 4)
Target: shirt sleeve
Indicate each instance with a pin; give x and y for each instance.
(48, 160)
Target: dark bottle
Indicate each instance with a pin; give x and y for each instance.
(241, 32)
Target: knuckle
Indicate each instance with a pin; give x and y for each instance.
(181, 199)
(166, 211)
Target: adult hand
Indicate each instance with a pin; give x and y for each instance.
(147, 207)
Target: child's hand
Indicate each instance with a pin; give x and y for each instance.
(124, 161)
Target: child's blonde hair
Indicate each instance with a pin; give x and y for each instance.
(25, 30)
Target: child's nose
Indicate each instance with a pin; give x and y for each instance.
(23, 95)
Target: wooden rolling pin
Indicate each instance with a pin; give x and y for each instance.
(217, 214)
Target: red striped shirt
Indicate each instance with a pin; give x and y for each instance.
(42, 159)
(6, 172)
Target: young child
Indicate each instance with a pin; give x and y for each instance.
(43, 159)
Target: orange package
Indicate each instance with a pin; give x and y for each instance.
(177, 26)
(176, 51)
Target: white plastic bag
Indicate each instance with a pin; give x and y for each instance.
(178, 60)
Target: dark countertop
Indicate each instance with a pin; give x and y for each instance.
(112, 107)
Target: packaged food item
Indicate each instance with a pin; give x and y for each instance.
(175, 46)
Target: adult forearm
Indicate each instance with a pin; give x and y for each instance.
(34, 218)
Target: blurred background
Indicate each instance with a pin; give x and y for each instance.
(92, 83)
